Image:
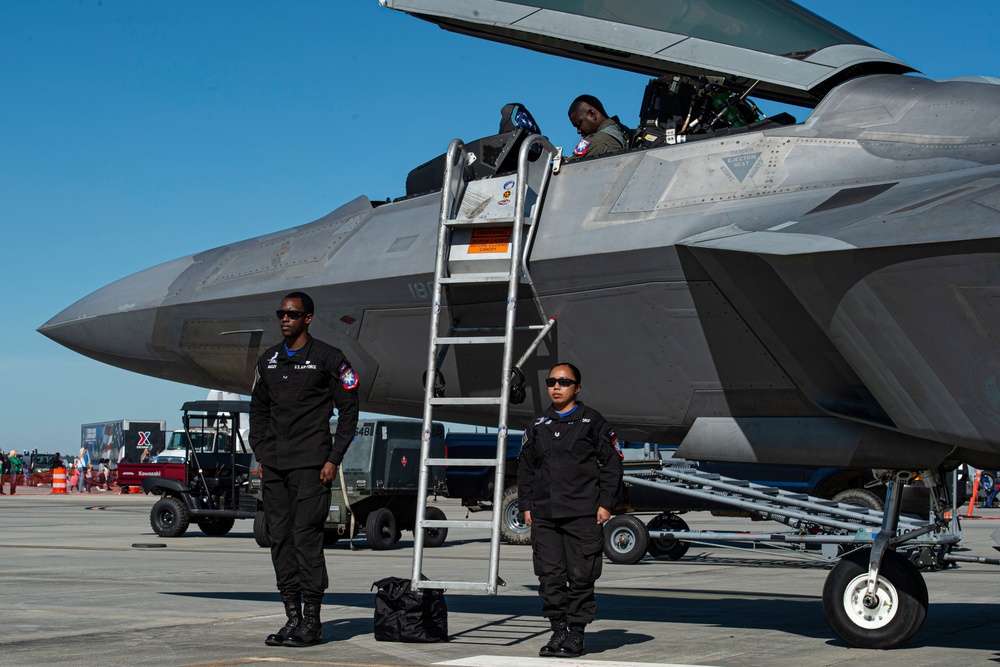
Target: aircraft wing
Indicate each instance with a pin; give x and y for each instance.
(796, 55)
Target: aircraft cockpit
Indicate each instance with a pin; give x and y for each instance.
(676, 109)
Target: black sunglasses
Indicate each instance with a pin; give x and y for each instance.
(562, 382)
(292, 314)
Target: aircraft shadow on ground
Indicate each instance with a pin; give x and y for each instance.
(516, 619)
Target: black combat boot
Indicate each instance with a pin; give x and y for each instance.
(551, 649)
(310, 630)
(572, 645)
(555, 642)
(293, 609)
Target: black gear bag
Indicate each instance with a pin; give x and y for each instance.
(403, 615)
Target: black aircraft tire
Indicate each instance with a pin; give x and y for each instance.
(261, 534)
(513, 529)
(667, 548)
(380, 529)
(625, 539)
(434, 537)
(169, 517)
(862, 498)
(901, 608)
(216, 526)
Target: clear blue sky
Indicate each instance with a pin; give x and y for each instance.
(132, 133)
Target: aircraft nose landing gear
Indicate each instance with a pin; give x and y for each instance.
(887, 618)
(876, 598)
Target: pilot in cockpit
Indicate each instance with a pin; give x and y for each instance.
(601, 135)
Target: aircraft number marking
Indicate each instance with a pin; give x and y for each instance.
(364, 430)
(421, 291)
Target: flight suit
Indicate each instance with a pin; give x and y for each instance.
(291, 404)
(611, 136)
(568, 467)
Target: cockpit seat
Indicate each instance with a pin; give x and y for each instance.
(495, 154)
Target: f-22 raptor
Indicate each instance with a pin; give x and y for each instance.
(759, 290)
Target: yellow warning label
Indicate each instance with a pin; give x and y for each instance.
(491, 239)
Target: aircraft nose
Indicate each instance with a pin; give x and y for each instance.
(116, 323)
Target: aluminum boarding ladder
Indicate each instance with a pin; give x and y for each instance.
(531, 182)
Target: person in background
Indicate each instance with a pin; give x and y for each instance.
(15, 463)
(81, 465)
(27, 467)
(4, 467)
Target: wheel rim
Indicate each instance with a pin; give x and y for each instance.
(622, 540)
(514, 519)
(862, 616)
(165, 517)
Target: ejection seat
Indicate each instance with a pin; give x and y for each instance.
(495, 154)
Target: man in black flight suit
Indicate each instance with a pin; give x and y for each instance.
(296, 385)
(568, 474)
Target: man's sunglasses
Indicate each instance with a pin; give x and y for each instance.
(292, 314)
(562, 382)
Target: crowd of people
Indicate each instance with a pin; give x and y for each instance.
(31, 469)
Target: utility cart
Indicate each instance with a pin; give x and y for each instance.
(377, 491)
(211, 488)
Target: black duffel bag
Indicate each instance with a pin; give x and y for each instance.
(403, 615)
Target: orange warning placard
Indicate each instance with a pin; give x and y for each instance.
(491, 239)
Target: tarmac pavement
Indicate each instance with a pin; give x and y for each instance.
(85, 581)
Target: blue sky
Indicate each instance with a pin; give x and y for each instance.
(132, 133)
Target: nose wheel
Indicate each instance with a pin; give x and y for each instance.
(887, 618)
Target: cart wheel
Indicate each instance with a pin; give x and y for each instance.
(895, 614)
(434, 537)
(216, 526)
(380, 529)
(513, 529)
(261, 533)
(169, 517)
(862, 498)
(625, 539)
(667, 548)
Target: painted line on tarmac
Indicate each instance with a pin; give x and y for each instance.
(497, 661)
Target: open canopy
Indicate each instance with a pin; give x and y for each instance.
(796, 55)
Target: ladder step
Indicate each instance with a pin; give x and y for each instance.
(468, 340)
(456, 585)
(458, 463)
(457, 523)
(475, 278)
(480, 222)
(493, 400)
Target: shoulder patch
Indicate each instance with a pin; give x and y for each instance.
(348, 378)
(616, 443)
(582, 146)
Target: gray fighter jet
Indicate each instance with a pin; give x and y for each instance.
(820, 293)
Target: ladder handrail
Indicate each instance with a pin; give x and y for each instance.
(451, 191)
